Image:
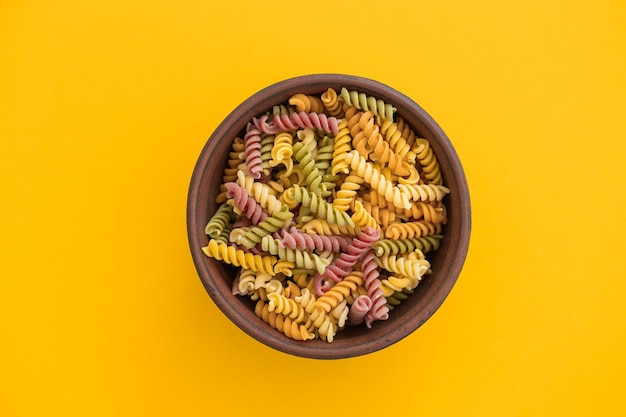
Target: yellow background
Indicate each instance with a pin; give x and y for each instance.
(105, 106)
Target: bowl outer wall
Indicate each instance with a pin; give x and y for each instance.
(447, 261)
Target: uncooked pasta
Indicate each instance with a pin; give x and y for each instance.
(329, 209)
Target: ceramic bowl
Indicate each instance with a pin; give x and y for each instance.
(446, 262)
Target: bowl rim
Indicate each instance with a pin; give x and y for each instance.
(258, 103)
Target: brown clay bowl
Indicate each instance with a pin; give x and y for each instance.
(446, 262)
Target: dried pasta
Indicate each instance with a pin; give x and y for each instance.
(329, 207)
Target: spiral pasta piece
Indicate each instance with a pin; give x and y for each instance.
(358, 310)
(237, 257)
(331, 298)
(244, 204)
(402, 246)
(398, 283)
(283, 305)
(382, 216)
(219, 220)
(377, 180)
(312, 176)
(281, 109)
(324, 155)
(252, 144)
(428, 161)
(371, 275)
(281, 323)
(324, 325)
(296, 120)
(363, 218)
(267, 144)
(396, 298)
(245, 282)
(307, 103)
(431, 211)
(367, 103)
(347, 192)
(331, 102)
(300, 258)
(282, 152)
(322, 227)
(261, 193)
(407, 132)
(317, 205)
(346, 260)
(236, 157)
(411, 230)
(306, 298)
(295, 239)
(277, 221)
(393, 135)
(424, 192)
(342, 145)
(405, 266)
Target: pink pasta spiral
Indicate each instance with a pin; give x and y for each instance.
(246, 204)
(252, 151)
(358, 310)
(346, 260)
(371, 275)
(296, 120)
(295, 239)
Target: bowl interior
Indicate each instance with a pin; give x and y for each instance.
(446, 262)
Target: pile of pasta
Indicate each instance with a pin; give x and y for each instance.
(329, 206)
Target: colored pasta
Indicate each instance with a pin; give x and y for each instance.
(329, 207)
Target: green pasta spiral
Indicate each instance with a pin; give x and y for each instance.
(278, 220)
(401, 246)
(316, 204)
(219, 220)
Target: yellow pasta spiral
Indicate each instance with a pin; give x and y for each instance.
(306, 298)
(424, 192)
(412, 229)
(428, 160)
(326, 329)
(372, 175)
(409, 267)
(362, 217)
(237, 257)
(307, 103)
(398, 283)
(383, 216)
(407, 132)
(344, 197)
(330, 100)
(342, 145)
(280, 304)
(369, 140)
(432, 211)
(281, 323)
(282, 152)
(393, 136)
(262, 193)
(322, 227)
(340, 291)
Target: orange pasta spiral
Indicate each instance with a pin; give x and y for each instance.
(289, 327)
